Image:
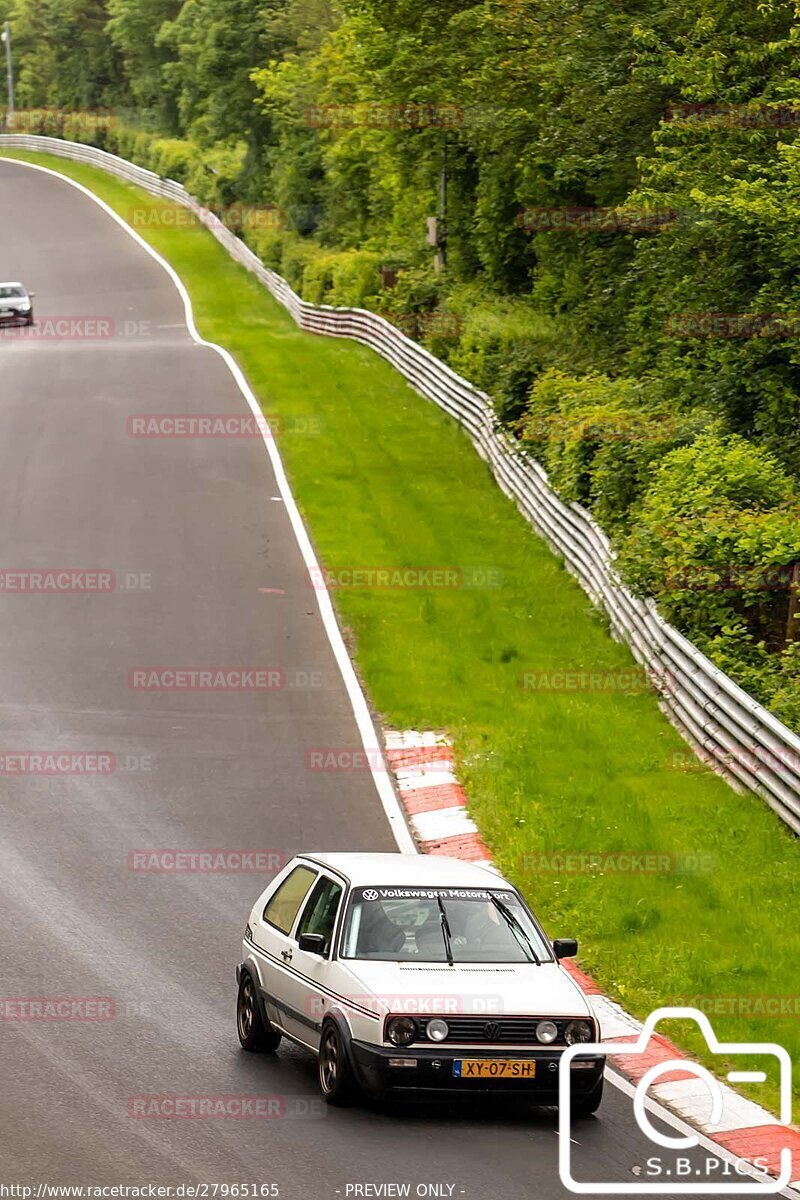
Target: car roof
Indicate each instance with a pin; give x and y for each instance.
(413, 870)
(11, 283)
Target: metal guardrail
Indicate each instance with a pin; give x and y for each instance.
(731, 732)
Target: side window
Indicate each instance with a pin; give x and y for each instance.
(319, 914)
(282, 909)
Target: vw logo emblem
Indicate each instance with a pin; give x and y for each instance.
(369, 894)
(491, 1031)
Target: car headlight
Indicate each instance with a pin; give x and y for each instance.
(24, 308)
(547, 1032)
(578, 1031)
(437, 1029)
(401, 1031)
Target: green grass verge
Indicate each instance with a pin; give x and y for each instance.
(384, 479)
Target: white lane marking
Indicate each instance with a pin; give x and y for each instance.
(691, 1098)
(415, 779)
(366, 728)
(442, 823)
(411, 739)
(614, 1021)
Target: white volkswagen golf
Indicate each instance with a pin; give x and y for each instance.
(413, 974)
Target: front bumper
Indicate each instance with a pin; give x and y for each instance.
(15, 318)
(433, 1072)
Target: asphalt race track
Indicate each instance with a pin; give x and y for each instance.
(192, 532)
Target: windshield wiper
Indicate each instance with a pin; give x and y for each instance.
(446, 934)
(514, 926)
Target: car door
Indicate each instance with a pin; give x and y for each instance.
(309, 987)
(272, 936)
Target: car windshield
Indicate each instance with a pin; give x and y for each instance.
(458, 925)
(7, 291)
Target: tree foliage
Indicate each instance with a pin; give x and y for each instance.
(641, 338)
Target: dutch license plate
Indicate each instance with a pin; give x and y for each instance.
(494, 1068)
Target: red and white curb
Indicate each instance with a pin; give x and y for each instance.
(436, 807)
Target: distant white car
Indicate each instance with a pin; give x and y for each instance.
(413, 974)
(16, 304)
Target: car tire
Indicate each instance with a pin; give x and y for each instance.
(337, 1083)
(586, 1104)
(255, 1034)
(29, 321)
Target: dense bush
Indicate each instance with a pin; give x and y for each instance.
(715, 539)
(600, 438)
(504, 345)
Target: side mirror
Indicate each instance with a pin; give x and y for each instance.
(565, 947)
(314, 943)
(31, 295)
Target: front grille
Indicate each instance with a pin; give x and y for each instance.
(496, 1031)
